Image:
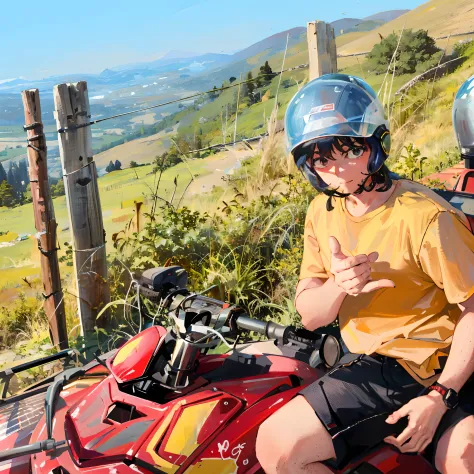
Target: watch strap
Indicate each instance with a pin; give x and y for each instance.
(439, 388)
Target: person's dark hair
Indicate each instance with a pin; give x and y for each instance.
(381, 178)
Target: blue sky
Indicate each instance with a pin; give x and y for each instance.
(59, 37)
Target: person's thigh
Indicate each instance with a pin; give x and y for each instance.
(292, 438)
(353, 401)
(455, 449)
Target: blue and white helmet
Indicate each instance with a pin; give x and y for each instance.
(463, 118)
(337, 105)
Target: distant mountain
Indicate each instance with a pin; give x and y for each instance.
(180, 63)
(14, 80)
(344, 24)
(179, 55)
(365, 25)
(273, 44)
(386, 16)
(175, 73)
(108, 73)
(350, 25)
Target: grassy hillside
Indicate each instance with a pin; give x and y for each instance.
(142, 150)
(118, 191)
(426, 124)
(439, 17)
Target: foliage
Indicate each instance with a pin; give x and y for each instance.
(410, 164)
(58, 189)
(417, 51)
(247, 252)
(117, 166)
(214, 94)
(179, 238)
(68, 254)
(7, 195)
(248, 89)
(22, 320)
(449, 158)
(13, 184)
(463, 47)
(134, 164)
(166, 160)
(265, 75)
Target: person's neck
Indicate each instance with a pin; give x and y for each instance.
(360, 204)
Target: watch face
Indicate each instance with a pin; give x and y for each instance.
(451, 399)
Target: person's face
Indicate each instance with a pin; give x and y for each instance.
(343, 169)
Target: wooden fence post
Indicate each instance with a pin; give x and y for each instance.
(72, 113)
(45, 221)
(321, 49)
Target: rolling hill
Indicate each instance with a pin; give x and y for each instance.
(386, 16)
(439, 17)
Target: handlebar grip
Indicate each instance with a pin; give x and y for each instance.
(277, 331)
(269, 329)
(244, 322)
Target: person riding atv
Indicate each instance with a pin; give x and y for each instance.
(395, 263)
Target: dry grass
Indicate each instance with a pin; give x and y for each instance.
(141, 150)
(430, 128)
(441, 17)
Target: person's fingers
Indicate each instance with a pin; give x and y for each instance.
(400, 413)
(355, 272)
(404, 436)
(335, 248)
(361, 279)
(378, 284)
(356, 290)
(348, 262)
(373, 257)
(415, 444)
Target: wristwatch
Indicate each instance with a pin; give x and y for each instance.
(450, 396)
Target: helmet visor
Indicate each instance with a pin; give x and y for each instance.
(330, 108)
(463, 117)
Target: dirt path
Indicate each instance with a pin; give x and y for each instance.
(219, 165)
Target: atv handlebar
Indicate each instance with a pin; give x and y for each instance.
(269, 329)
(276, 331)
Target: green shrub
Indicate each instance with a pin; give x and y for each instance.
(463, 48)
(23, 321)
(417, 52)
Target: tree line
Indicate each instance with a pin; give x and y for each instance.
(14, 184)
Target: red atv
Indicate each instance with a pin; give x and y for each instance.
(163, 404)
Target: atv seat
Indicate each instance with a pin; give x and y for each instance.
(462, 200)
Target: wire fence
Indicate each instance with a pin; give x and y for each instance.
(182, 99)
(221, 89)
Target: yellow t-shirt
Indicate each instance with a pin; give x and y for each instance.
(426, 247)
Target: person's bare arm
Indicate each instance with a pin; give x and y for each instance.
(425, 412)
(318, 302)
(460, 364)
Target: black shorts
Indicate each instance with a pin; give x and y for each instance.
(353, 402)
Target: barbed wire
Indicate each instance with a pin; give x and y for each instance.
(223, 145)
(182, 99)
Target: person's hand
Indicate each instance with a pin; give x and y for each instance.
(424, 415)
(352, 274)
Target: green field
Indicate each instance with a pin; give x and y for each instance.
(12, 153)
(117, 191)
